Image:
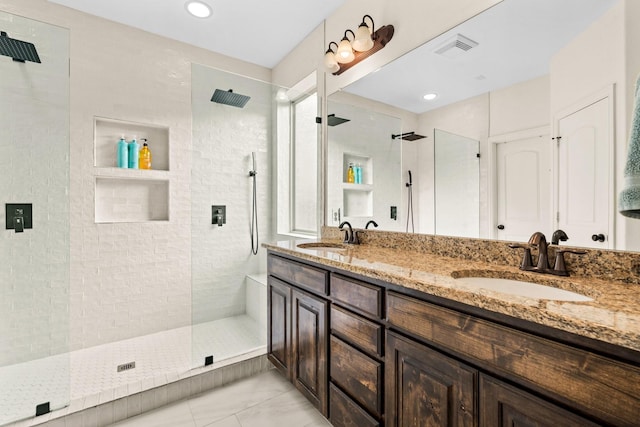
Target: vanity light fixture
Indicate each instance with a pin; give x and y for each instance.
(345, 54)
(330, 62)
(365, 42)
(198, 9)
(430, 96)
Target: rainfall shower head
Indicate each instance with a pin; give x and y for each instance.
(17, 49)
(227, 97)
(408, 136)
(332, 120)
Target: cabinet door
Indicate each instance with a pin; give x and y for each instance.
(279, 324)
(426, 388)
(506, 406)
(309, 344)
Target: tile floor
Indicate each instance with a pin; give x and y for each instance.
(93, 377)
(264, 400)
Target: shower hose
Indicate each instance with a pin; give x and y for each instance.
(410, 204)
(254, 214)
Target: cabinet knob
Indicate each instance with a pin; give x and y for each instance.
(500, 227)
(598, 237)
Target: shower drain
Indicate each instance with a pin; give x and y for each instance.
(126, 366)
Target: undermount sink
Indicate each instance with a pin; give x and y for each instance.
(323, 246)
(523, 288)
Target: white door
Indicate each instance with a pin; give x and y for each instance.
(584, 175)
(523, 175)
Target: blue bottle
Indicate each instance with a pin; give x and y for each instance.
(134, 150)
(358, 174)
(123, 153)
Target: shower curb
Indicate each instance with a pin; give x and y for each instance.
(105, 414)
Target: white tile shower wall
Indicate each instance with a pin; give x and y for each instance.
(34, 168)
(223, 139)
(127, 279)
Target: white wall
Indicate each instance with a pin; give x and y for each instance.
(468, 118)
(605, 54)
(128, 279)
(521, 106)
(224, 138)
(34, 168)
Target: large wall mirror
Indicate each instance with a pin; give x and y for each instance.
(525, 132)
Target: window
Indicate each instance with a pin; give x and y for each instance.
(297, 159)
(304, 165)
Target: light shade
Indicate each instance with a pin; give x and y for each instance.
(330, 62)
(198, 9)
(345, 54)
(363, 41)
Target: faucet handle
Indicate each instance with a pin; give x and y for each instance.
(560, 268)
(526, 263)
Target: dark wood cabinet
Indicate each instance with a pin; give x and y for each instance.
(376, 354)
(506, 406)
(298, 327)
(426, 388)
(279, 337)
(309, 347)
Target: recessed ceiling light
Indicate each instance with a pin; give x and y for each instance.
(198, 9)
(430, 96)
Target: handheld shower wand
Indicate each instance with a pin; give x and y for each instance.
(409, 186)
(254, 210)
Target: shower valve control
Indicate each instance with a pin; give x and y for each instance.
(218, 215)
(18, 217)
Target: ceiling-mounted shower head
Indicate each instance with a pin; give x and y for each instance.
(408, 136)
(18, 50)
(332, 120)
(228, 97)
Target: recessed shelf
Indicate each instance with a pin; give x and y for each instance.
(107, 133)
(365, 163)
(131, 200)
(357, 203)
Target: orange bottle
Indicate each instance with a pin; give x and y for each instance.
(144, 161)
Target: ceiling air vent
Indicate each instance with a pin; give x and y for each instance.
(456, 46)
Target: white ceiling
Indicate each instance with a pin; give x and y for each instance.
(257, 31)
(517, 39)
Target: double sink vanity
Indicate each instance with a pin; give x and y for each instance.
(416, 330)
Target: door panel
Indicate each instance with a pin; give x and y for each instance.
(309, 340)
(523, 187)
(426, 388)
(584, 175)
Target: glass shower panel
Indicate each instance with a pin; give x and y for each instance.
(34, 172)
(457, 185)
(228, 290)
(362, 137)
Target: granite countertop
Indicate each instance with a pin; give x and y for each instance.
(612, 316)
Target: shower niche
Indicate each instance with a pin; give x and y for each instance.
(130, 195)
(357, 198)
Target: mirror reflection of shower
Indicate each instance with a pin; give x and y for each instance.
(254, 209)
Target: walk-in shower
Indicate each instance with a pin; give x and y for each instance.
(95, 313)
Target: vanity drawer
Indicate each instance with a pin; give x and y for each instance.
(344, 412)
(360, 296)
(357, 374)
(357, 330)
(570, 374)
(301, 275)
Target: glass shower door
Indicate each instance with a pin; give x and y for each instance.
(34, 206)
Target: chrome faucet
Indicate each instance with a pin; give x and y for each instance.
(350, 236)
(539, 241)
